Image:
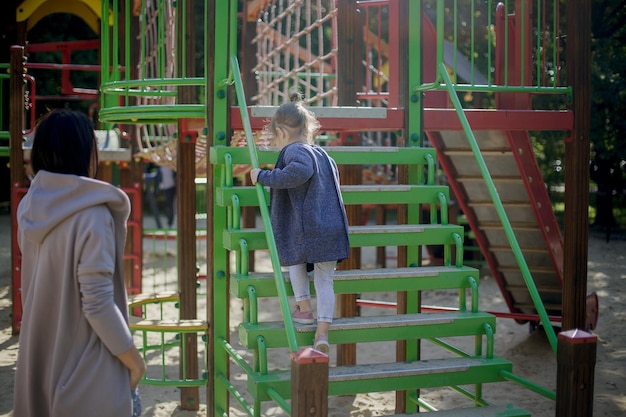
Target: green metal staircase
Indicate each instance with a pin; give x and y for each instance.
(261, 294)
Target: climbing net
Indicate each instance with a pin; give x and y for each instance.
(157, 42)
(296, 47)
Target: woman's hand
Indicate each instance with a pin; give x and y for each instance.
(135, 377)
(254, 175)
(136, 366)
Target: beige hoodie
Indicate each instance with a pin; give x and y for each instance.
(71, 232)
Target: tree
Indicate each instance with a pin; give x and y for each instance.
(608, 126)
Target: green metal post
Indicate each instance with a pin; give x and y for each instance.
(219, 102)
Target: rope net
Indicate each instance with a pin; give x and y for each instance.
(157, 42)
(296, 47)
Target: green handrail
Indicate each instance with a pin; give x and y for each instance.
(497, 202)
(265, 216)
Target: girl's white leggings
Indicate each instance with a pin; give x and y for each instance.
(323, 275)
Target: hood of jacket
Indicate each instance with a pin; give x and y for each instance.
(52, 198)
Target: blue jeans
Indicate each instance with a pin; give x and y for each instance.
(134, 395)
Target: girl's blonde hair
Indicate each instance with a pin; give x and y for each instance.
(295, 117)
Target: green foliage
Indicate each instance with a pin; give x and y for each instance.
(608, 106)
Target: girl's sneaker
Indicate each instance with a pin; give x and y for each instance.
(321, 344)
(302, 317)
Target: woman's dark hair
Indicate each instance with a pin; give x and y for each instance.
(65, 143)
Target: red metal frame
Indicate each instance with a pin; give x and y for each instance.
(499, 119)
(393, 84)
(431, 309)
(440, 119)
(536, 190)
(66, 49)
(17, 192)
(135, 228)
(393, 122)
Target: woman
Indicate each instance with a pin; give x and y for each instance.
(76, 353)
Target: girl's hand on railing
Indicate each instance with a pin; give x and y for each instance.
(254, 174)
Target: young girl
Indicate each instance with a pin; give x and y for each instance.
(307, 213)
(76, 353)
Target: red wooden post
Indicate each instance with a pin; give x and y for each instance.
(17, 173)
(576, 360)
(309, 383)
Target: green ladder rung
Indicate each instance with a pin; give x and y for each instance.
(366, 280)
(361, 236)
(507, 410)
(373, 328)
(395, 376)
(352, 194)
(346, 155)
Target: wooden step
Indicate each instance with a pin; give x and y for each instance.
(372, 328)
(366, 280)
(361, 236)
(395, 376)
(171, 326)
(152, 298)
(508, 410)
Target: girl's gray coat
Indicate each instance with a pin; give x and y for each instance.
(307, 212)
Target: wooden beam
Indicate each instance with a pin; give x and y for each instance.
(309, 383)
(576, 360)
(253, 7)
(577, 155)
(186, 209)
(349, 42)
(576, 222)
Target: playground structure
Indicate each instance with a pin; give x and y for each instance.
(409, 96)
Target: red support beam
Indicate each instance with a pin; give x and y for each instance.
(439, 120)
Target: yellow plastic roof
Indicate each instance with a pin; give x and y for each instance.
(32, 11)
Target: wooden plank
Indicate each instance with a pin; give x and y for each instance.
(372, 328)
(366, 280)
(173, 326)
(345, 380)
